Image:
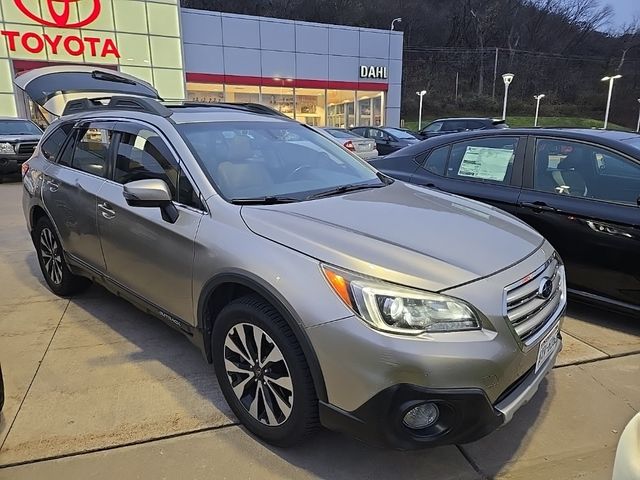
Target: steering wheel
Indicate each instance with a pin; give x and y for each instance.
(297, 171)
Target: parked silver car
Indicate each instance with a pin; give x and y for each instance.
(323, 291)
(365, 148)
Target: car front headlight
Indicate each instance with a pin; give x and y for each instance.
(397, 309)
(6, 148)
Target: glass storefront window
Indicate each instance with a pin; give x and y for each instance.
(205, 92)
(310, 106)
(242, 93)
(370, 108)
(341, 108)
(280, 98)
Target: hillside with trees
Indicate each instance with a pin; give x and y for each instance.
(561, 48)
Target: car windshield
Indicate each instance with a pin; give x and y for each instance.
(340, 133)
(399, 133)
(18, 127)
(634, 142)
(252, 160)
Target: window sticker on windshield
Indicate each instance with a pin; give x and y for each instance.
(485, 163)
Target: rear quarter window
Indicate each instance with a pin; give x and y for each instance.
(52, 145)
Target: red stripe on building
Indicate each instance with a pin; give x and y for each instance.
(21, 66)
(282, 82)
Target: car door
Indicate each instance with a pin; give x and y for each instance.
(488, 169)
(70, 190)
(584, 199)
(144, 253)
(384, 141)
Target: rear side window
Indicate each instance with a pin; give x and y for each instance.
(436, 161)
(91, 150)
(51, 147)
(454, 125)
(485, 160)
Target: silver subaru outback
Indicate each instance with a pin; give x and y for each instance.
(323, 292)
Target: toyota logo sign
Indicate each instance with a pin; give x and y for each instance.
(59, 12)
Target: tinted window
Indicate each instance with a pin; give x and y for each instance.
(453, 125)
(256, 159)
(340, 133)
(434, 127)
(360, 131)
(475, 124)
(377, 134)
(144, 155)
(437, 160)
(486, 160)
(18, 127)
(91, 149)
(581, 170)
(400, 134)
(52, 145)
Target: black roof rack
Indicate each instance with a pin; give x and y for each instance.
(246, 107)
(155, 107)
(140, 104)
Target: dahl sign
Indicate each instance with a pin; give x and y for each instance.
(371, 71)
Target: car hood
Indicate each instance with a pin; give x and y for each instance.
(400, 233)
(19, 138)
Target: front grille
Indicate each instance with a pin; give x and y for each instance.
(528, 307)
(26, 148)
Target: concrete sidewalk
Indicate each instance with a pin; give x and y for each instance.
(97, 389)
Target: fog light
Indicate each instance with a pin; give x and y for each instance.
(422, 416)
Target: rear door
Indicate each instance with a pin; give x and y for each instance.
(70, 190)
(584, 199)
(143, 252)
(488, 169)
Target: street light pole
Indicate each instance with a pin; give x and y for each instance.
(421, 94)
(538, 98)
(507, 78)
(393, 23)
(610, 79)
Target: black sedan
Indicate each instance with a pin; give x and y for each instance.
(444, 126)
(578, 188)
(387, 139)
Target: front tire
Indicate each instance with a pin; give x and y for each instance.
(52, 262)
(263, 373)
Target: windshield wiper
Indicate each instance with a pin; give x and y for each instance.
(267, 200)
(345, 188)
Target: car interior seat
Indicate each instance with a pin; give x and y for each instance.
(568, 178)
(237, 172)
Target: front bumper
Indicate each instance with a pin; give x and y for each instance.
(12, 163)
(466, 414)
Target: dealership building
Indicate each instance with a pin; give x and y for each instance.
(324, 75)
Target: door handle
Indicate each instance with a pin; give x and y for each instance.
(106, 211)
(538, 207)
(607, 229)
(53, 186)
(432, 185)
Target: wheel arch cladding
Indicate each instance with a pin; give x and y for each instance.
(222, 289)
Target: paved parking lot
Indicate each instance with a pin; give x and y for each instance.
(96, 389)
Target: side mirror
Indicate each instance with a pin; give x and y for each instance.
(151, 193)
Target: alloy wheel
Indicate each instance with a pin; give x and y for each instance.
(258, 374)
(51, 255)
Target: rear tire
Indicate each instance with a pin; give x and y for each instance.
(53, 263)
(263, 373)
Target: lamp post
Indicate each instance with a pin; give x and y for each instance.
(638, 127)
(393, 23)
(421, 94)
(538, 98)
(507, 78)
(610, 79)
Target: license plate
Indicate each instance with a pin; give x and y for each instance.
(547, 347)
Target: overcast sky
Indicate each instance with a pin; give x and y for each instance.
(624, 10)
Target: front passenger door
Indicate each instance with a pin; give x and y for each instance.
(143, 252)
